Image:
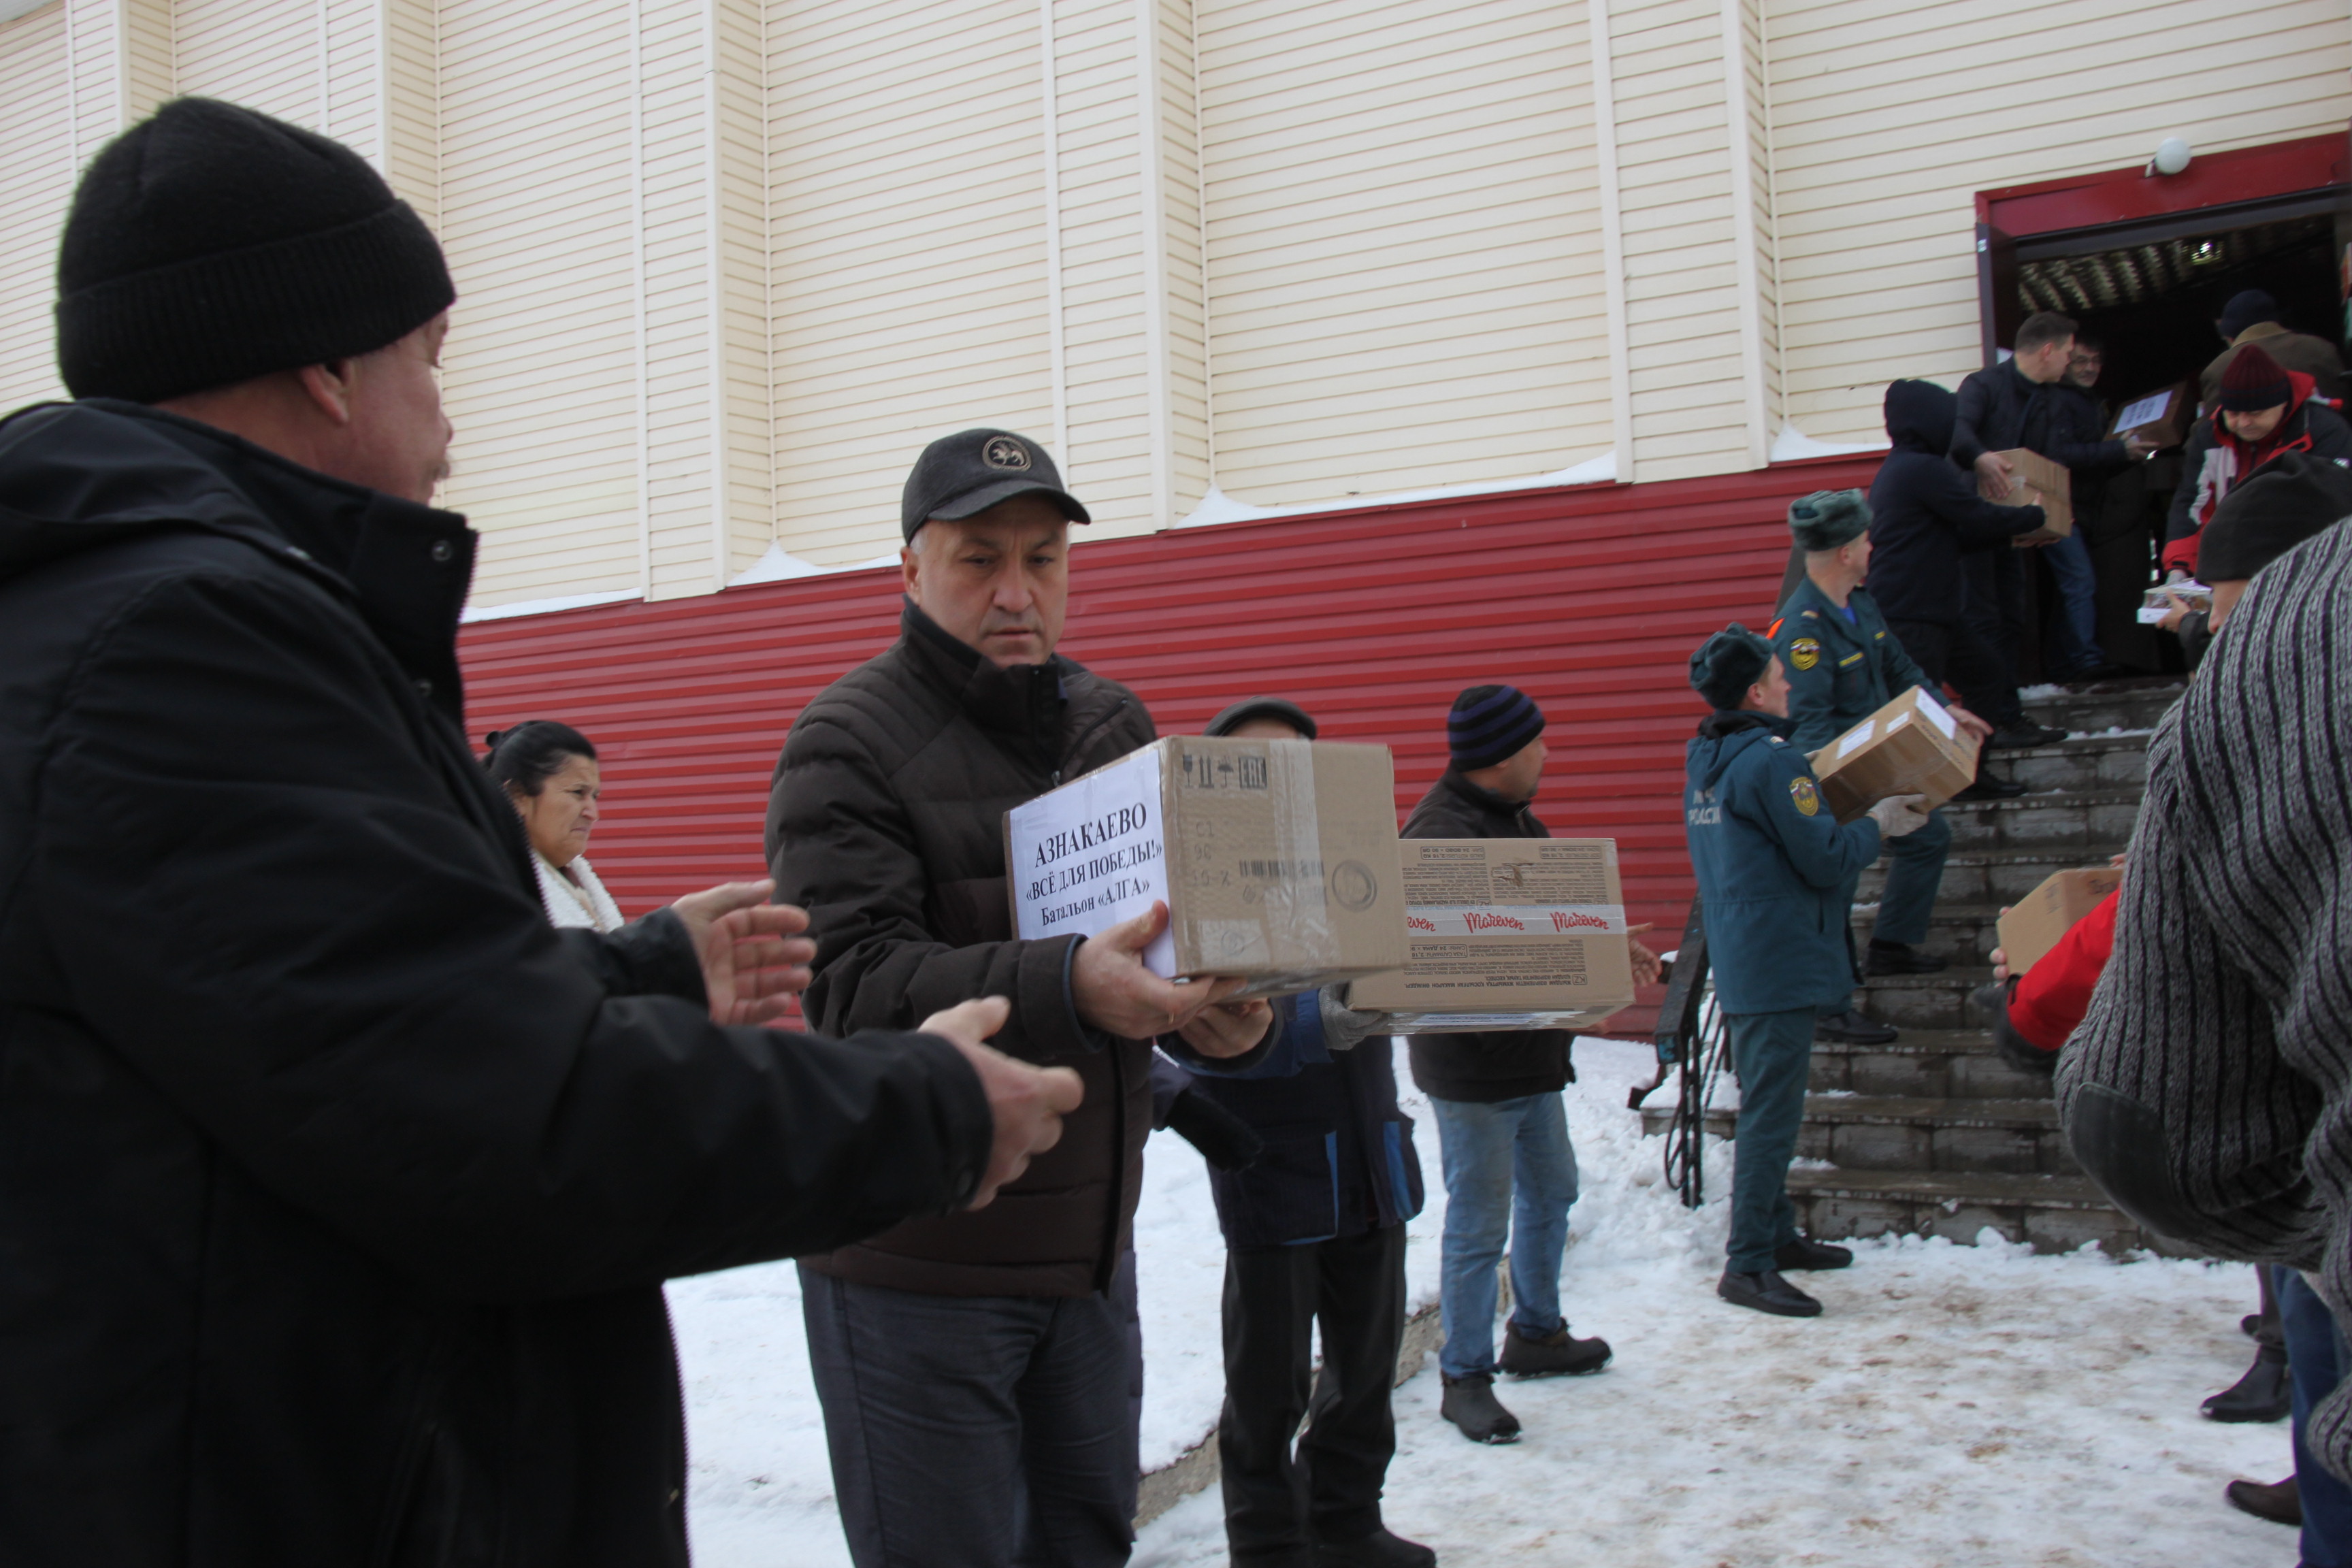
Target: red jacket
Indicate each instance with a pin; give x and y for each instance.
(2051, 998)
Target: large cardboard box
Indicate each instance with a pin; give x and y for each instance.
(2035, 481)
(1506, 933)
(2161, 418)
(1277, 858)
(2033, 927)
(1911, 746)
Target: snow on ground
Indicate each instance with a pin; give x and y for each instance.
(1957, 1406)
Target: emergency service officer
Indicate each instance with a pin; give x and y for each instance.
(1774, 868)
(1843, 666)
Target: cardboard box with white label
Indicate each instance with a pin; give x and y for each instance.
(2035, 481)
(1277, 858)
(2161, 418)
(1911, 746)
(2036, 922)
(2156, 603)
(1506, 933)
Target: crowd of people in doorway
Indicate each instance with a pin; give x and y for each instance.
(353, 1131)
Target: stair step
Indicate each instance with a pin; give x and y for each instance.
(2132, 703)
(2055, 1213)
(2017, 1137)
(2097, 762)
(1925, 1064)
(1927, 1001)
(1977, 875)
(2045, 818)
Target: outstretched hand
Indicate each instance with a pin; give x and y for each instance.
(1026, 1103)
(1970, 721)
(754, 960)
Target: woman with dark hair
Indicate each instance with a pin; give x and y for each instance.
(548, 771)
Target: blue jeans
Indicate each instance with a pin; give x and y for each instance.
(1773, 1055)
(979, 1431)
(2078, 629)
(2315, 1361)
(1510, 1173)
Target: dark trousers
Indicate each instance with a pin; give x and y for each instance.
(1957, 655)
(978, 1431)
(1773, 1055)
(2315, 1362)
(1995, 611)
(1278, 1505)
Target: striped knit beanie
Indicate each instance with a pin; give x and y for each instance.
(1489, 723)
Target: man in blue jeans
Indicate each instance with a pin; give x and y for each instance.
(1502, 1129)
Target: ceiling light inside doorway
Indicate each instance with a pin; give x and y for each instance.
(2172, 155)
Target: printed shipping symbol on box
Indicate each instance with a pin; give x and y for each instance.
(1277, 859)
(2033, 926)
(1507, 933)
(1911, 746)
(2035, 481)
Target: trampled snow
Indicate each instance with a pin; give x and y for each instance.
(1955, 1406)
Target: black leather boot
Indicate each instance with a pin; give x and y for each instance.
(2281, 1502)
(1851, 1028)
(1470, 1404)
(1379, 1550)
(1900, 958)
(1551, 1355)
(2262, 1395)
(1766, 1291)
(1806, 1253)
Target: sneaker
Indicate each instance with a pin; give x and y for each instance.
(1851, 1028)
(2025, 732)
(1470, 1404)
(1525, 1356)
(1804, 1252)
(1766, 1291)
(2281, 1502)
(2262, 1395)
(1900, 958)
(1379, 1550)
(1987, 787)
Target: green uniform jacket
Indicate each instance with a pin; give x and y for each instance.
(1840, 671)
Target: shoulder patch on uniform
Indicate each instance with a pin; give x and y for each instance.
(1805, 652)
(1808, 798)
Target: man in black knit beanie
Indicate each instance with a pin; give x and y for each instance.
(338, 1187)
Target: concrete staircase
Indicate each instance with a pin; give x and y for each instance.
(1934, 1135)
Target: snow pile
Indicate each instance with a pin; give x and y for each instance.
(1957, 1407)
(2113, 731)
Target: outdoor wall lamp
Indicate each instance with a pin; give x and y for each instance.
(2172, 155)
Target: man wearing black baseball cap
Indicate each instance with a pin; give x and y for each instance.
(975, 1371)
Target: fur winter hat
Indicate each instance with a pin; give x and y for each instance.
(1728, 663)
(1827, 519)
(209, 245)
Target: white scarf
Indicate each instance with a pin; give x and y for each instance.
(584, 903)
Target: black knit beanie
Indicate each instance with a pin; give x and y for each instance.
(1728, 664)
(2253, 381)
(1828, 518)
(1273, 707)
(209, 245)
(2285, 502)
(1489, 723)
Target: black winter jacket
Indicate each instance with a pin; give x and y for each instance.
(2001, 411)
(887, 824)
(1505, 1064)
(1924, 512)
(336, 1187)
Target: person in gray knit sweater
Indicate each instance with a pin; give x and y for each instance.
(2209, 1089)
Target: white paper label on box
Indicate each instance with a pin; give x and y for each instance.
(1513, 919)
(2146, 410)
(1091, 854)
(1935, 714)
(1856, 740)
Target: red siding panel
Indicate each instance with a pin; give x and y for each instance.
(1589, 599)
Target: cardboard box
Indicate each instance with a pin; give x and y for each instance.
(1277, 858)
(2155, 604)
(1506, 933)
(2035, 481)
(2033, 926)
(2161, 418)
(1911, 746)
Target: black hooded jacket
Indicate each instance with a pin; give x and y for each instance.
(336, 1187)
(1924, 512)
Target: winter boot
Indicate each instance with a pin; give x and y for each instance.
(1378, 1550)
(1851, 1028)
(1766, 1291)
(1992, 1006)
(1988, 787)
(2022, 734)
(1470, 1404)
(1901, 958)
(1806, 1253)
(2262, 1395)
(2281, 1502)
(1554, 1354)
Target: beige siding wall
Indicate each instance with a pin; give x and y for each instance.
(1880, 143)
(36, 181)
(1404, 267)
(725, 265)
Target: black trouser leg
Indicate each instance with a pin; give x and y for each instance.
(1984, 671)
(1351, 1432)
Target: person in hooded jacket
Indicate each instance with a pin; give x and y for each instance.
(2265, 410)
(1774, 870)
(337, 1187)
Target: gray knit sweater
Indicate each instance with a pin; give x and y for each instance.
(2210, 1087)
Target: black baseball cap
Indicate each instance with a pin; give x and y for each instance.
(964, 474)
